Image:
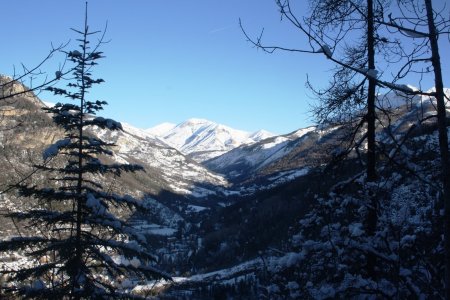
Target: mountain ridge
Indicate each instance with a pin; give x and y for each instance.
(202, 139)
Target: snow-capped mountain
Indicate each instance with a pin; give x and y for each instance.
(202, 139)
(282, 158)
(261, 135)
(161, 129)
(175, 172)
(195, 209)
(248, 159)
(166, 169)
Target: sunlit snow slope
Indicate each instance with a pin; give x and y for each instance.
(202, 139)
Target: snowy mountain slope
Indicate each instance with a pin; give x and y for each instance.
(171, 170)
(248, 159)
(240, 274)
(260, 135)
(202, 139)
(166, 168)
(259, 223)
(313, 146)
(418, 114)
(274, 267)
(277, 161)
(161, 129)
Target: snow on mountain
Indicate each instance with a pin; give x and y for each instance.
(394, 99)
(239, 161)
(258, 164)
(202, 139)
(49, 104)
(261, 135)
(161, 129)
(128, 128)
(167, 167)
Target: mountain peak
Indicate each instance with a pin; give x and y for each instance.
(261, 135)
(203, 139)
(197, 121)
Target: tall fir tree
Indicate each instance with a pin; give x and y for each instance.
(78, 253)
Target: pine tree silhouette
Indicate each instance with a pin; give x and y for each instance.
(81, 242)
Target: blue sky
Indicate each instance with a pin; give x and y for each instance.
(170, 60)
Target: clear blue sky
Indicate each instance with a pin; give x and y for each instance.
(170, 60)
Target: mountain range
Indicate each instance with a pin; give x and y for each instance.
(202, 139)
(226, 203)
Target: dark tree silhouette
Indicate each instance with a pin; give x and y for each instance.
(420, 22)
(330, 26)
(353, 89)
(83, 245)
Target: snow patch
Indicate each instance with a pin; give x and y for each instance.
(53, 149)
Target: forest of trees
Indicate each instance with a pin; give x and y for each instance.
(362, 37)
(383, 232)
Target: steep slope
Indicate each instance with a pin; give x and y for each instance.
(167, 168)
(26, 131)
(267, 244)
(282, 158)
(245, 160)
(260, 135)
(202, 139)
(161, 129)
(258, 234)
(173, 185)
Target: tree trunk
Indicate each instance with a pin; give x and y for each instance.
(80, 201)
(371, 158)
(443, 138)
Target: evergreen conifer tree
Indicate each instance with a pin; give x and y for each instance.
(82, 241)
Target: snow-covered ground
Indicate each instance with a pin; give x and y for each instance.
(229, 276)
(273, 181)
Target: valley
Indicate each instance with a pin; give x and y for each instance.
(223, 150)
(227, 207)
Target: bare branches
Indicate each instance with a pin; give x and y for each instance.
(8, 85)
(270, 49)
(327, 35)
(80, 218)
